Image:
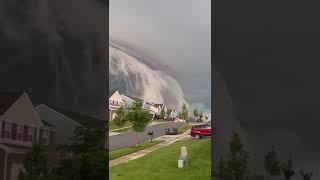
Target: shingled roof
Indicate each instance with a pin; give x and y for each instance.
(82, 119)
(158, 105)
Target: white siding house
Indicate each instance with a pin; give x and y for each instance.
(20, 128)
(115, 102)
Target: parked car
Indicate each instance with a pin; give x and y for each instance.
(200, 131)
(173, 132)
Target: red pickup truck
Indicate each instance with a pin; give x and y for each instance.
(200, 131)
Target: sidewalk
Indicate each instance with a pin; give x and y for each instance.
(168, 139)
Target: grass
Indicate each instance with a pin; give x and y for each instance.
(159, 120)
(128, 150)
(123, 130)
(162, 164)
(113, 126)
(184, 128)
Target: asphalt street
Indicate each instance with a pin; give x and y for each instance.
(129, 139)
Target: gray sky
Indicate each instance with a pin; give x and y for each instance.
(177, 33)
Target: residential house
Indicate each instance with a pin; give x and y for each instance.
(83, 119)
(71, 120)
(145, 104)
(65, 126)
(115, 102)
(128, 99)
(173, 114)
(20, 128)
(159, 108)
(151, 108)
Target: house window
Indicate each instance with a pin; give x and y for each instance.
(7, 130)
(44, 137)
(13, 131)
(30, 134)
(19, 132)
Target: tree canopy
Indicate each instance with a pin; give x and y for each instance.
(120, 118)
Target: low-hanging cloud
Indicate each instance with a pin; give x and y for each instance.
(176, 33)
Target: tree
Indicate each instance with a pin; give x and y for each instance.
(169, 113)
(184, 112)
(120, 118)
(195, 113)
(162, 114)
(139, 118)
(222, 168)
(86, 156)
(305, 176)
(272, 163)
(35, 165)
(287, 170)
(238, 162)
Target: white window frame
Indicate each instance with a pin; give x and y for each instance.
(30, 133)
(7, 128)
(45, 135)
(19, 131)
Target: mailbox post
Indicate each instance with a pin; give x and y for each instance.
(150, 133)
(183, 161)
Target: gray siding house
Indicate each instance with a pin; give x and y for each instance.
(65, 126)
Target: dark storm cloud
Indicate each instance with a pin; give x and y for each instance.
(175, 33)
(268, 54)
(55, 50)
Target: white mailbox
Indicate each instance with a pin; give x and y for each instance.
(180, 163)
(184, 152)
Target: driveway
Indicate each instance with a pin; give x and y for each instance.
(128, 139)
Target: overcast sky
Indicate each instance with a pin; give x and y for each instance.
(268, 53)
(177, 33)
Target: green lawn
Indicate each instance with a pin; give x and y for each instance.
(159, 120)
(162, 164)
(128, 150)
(123, 130)
(113, 126)
(183, 128)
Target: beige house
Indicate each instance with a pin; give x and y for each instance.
(20, 128)
(115, 102)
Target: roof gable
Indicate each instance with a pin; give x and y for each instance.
(116, 96)
(22, 112)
